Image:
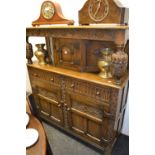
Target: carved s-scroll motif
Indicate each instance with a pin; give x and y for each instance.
(63, 100)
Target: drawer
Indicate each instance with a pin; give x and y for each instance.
(92, 90)
(37, 75)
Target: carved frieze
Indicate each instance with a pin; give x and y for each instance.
(89, 89)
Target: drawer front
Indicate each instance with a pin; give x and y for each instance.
(40, 76)
(96, 92)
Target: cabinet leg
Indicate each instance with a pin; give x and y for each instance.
(108, 151)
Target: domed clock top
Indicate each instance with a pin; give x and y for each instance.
(51, 13)
(103, 11)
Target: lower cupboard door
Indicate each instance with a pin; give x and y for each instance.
(85, 118)
(50, 109)
(86, 127)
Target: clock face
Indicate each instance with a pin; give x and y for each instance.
(98, 9)
(47, 10)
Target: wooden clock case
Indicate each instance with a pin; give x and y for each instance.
(116, 13)
(58, 17)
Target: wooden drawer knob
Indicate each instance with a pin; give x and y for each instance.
(59, 105)
(36, 75)
(72, 85)
(52, 79)
(68, 109)
(97, 93)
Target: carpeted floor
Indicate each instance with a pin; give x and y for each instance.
(63, 144)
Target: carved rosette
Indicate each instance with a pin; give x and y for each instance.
(29, 51)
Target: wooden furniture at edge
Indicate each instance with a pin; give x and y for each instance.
(80, 103)
(39, 147)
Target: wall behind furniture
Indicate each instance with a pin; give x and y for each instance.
(70, 11)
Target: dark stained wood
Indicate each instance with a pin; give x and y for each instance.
(40, 147)
(77, 54)
(110, 11)
(68, 53)
(83, 104)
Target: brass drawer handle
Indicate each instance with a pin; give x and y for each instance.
(72, 85)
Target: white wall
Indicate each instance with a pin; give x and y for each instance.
(70, 11)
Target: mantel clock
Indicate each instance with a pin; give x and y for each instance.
(51, 13)
(103, 11)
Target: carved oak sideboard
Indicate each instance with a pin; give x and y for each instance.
(71, 95)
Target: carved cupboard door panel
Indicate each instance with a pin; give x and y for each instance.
(49, 103)
(85, 117)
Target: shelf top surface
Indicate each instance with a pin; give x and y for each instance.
(90, 77)
(92, 26)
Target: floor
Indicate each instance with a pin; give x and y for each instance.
(63, 144)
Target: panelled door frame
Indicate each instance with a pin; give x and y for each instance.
(57, 103)
(100, 121)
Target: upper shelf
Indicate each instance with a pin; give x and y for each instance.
(93, 26)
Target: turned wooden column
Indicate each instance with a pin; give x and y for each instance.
(29, 51)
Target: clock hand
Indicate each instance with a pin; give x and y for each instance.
(98, 7)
